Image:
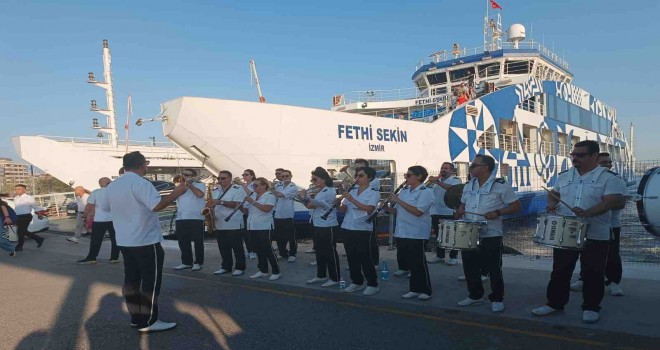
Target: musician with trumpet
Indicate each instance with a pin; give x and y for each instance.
(486, 197)
(439, 209)
(190, 221)
(413, 227)
(227, 198)
(285, 230)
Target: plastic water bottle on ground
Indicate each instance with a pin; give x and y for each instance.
(342, 284)
(384, 271)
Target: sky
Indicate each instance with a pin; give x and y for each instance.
(305, 52)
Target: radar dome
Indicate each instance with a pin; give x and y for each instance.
(516, 32)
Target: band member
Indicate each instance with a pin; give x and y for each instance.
(327, 260)
(229, 233)
(248, 183)
(102, 223)
(358, 204)
(440, 211)
(81, 200)
(285, 230)
(486, 197)
(190, 221)
(413, 228)
(134, 203)
(375, 184)
(278, 176)
(259, 206)
(23, 205)
(593, 192)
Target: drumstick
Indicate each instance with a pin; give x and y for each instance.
(557, 198)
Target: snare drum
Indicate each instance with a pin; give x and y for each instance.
(460, 234)
(560, 231)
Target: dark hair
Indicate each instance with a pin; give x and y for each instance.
(279, 169)
(419, 170)
(20, 185)
(251, 172)
(193, 171)
(361, 160)
(603, 154)
(225, 172)
(323, 174)
(177, 179)
(488, 161)
(369, 171)
(592, 146)
(133, 160)
(121, 171)
(451, 165)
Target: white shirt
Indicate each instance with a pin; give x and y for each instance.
(493, 195)
(258, 219)
(235, 193)
(323, 201)
(99, 196)
(82, 202)
(356, 219)
(439, 207)
(284, 206)
(615, 220)
(409, 225)
(587, 191)
(24, 204)
(189, 206)
(131, 199)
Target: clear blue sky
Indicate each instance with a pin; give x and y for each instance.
(306, 51)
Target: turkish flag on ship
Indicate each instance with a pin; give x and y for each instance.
(495, 5)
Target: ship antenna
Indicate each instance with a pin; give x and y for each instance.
(110, 128)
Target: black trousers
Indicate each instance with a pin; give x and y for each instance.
(22, 223)
(614, 269)
(440, 252)
(99, 229)
(143, 274)
(413, 252)
(264, 250)
(231, 241)
(358, 253)
(190, 231)
(487, 257)
(327, 260)
(401, 261)
(285, 232)
(373, 247)
(594, 258)
(247, 238)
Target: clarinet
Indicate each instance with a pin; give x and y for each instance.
(335, 204)
(372, 217)
(237, 208)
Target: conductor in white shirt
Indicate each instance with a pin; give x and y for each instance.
(134, 203)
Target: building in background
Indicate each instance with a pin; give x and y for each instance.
(12, 173)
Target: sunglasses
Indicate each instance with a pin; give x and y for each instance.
(286, 175)
(578, 154)
(314, 179)
(244, 175)
(223, 178)
(360, 175)
(407, 175)
(472, 166)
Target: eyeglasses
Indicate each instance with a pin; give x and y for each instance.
(244, 175)
(578, 154)
(360, 175)
(406, 175)
(223, 178)
(472, 166)
(286, 175)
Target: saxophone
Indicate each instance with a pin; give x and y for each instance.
(209, 213)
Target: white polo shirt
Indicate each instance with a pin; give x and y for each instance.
(24, 204)
(587, 191)
(99, 195)
(356, 219)
(493, 195)
(409, 225)
(82, 202)
(439, 207)
(324, 201)
(235, 193)
(131, 199)
(258, 219)
(189, 206)
(284, 206)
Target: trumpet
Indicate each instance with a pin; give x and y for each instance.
(336, 203)
(430, 182)
(311, 191)
(372, 217)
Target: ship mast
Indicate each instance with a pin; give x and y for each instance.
(110, 127)
(253, 68)
(492, 29)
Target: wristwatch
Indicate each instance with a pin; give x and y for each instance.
(222, 202)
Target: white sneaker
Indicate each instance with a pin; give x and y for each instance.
(577, 286)
(400, 273)
(237, 272)
(220, 271)
(316, 280)
(196, 267)
(615, 289)
(329, 283)
(424, 297)
(158, 326)
(259, 275)
(461, 278)
(182, 267)
(313, 263)
(435, 260)
(497, 306)
(452, 261)
(410, 295)
(544, 311)
(310, 251)
(590, 316)
(353, 288)
(370, 291)
(467, 302)
(72, 239)
(275, 277)
(253, 256)
(291, 259)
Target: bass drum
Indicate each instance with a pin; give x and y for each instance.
(648, 204)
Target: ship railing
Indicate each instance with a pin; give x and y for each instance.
(509, 143)
(564, 150)
(442, 56)
(105, 141)
(547, 147)
(378, 96)
(529, 146)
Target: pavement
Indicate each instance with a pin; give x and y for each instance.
(50, 302)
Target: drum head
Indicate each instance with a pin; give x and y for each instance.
(453, 196)
(648, 207)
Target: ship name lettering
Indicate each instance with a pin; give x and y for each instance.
(377, 148)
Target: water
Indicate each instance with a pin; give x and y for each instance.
(342, 284)
(384, 271)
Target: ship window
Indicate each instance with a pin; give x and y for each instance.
(461, 74)
(562, 109)
(603, 127)
(517, 67)
(421, 83)
(594, 123)
(437, 78)
(489, 70)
